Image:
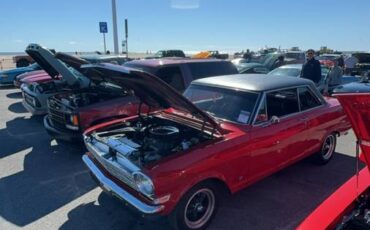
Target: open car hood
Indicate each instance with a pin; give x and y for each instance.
(72, 61)
(355, 99)
(48, 61)
(150, 89)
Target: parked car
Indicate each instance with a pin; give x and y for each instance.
(168, 53)
(224, 134)
(327, 59)
(251, 68)
(38, 76)
(43, 77)
(211, 54)
(7, 76)
(268, 61)
(294, 70)
(363, 64)
(114, 59)
(65, 78)
(92, 106)
(22, 60)
(298, 57)
(348, 207)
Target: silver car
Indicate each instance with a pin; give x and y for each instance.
(294, 70)
(35, 95)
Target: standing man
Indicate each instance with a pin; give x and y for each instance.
(311, 69)
(334, 78)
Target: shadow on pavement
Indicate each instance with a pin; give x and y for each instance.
(109, 213)
(16, 95)
(51, 176)
(284, 199)
(280, 201)
(17, 108)
(17, 135)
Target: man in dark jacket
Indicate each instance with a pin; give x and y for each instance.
(311, 69)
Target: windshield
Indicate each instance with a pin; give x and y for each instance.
(292, 72)
(226, 104)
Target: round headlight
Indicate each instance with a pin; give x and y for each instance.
(144, 184)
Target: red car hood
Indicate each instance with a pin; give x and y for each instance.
(29, 74)
(151, 90)
(355, 99)
(38, 78)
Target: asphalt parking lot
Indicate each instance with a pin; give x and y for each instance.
(45, 185)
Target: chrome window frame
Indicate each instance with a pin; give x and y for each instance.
(321, 100)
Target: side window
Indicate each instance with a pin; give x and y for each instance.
(307, 99)
(172, 76)
(282, 102)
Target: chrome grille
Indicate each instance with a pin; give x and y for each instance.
(55, 115)
(113, 167)
(29, 99)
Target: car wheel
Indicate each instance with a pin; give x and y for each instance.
(327, 149)
(196, 209)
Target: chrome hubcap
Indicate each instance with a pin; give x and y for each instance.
(328, 147)
(199, 208)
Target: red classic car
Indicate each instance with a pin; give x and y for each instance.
(71, 113)
(224, 134)
(38, 76)
(349, 206)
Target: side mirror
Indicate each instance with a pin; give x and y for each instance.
(274, 120)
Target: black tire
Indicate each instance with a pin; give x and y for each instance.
(327, 149)
(196, 208)
(22, 63)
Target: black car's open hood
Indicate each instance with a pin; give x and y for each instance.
(72, 61)
(47, 60)
(150, 89)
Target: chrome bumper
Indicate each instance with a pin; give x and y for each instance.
(113, 188)
(32, 110)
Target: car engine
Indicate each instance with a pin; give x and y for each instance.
(89, 96)
(149, 140)
(359, 218)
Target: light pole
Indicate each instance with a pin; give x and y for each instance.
(115, 34)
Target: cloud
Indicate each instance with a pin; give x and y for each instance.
(185, 4)
(72, 43)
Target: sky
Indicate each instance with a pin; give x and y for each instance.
(190, 25)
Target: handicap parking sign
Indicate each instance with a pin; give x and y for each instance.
(103, 27)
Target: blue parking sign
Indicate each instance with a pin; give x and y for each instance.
(103, 27)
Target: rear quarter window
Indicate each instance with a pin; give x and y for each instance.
(208, 69)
